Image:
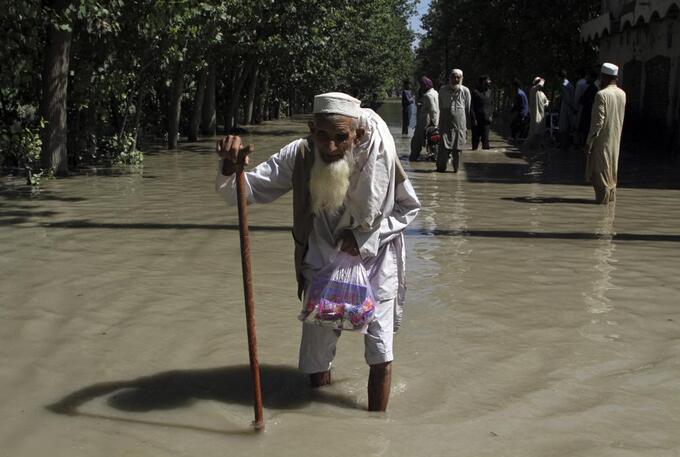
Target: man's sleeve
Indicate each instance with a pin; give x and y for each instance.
(406, 208)
(367, 232)
(434, 110)
(596, 121)
(266, 182)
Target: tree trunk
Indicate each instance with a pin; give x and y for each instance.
(209, 120)
(250, 102)
(235, 101)
(138, 114)
(276, 109)
(54, 102)
(198, 104)
(261, 99)
(175, 105)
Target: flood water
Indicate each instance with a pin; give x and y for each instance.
(538, 324)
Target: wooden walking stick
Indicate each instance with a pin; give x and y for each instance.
(244, 236)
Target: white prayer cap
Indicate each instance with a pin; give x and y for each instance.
(609, 69)
(457, 71)
(337, 103)
(538, 81)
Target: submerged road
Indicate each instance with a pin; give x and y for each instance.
(537, 322)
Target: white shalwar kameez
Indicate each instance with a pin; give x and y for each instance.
(375, 210)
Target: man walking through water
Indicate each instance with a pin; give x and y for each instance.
(454, 112)
(350, 193)
(604, 138)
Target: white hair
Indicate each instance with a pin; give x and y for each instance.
(329, 182)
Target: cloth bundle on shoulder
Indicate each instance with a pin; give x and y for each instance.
(340, 296)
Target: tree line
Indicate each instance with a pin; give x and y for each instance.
(505, 39)
(84, 81)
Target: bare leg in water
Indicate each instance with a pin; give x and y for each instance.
(379, 384)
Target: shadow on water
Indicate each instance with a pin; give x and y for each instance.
(542, 200)
(567, 168)
(283, 388)
(409, 232)
(28, 193)
(543, 235)
(20, 216)
(84, 224)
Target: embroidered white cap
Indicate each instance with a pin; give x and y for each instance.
(337, 103)
(609, 69)
(457, 71)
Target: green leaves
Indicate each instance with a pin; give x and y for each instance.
(504, 38)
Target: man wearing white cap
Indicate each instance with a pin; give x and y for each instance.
(538, 103)
(350, 193)
(604, 138)
(454, 112)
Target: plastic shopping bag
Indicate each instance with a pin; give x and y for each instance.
(340, 296)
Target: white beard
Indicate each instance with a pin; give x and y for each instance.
(329, 182)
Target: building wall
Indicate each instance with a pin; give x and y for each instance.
(649, 58)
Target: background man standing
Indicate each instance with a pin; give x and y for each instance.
(454, 112)
(482, 113)
(567, 110)
(538, 104)
(604, 139)
(428, 115)
(408, 104)
(520, 110)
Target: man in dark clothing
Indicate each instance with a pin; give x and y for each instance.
(407, 107)
(520, 110)
(481, 113)
(586, 101)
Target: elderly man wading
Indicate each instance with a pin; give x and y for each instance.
(350, 193)
(604, 138)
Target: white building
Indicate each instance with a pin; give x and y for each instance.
(643, 38)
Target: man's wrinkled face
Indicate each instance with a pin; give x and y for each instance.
(333, 137)
(456, 79)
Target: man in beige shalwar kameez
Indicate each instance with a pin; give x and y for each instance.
(604, 139)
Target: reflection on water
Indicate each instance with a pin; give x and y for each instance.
(597, 300)
(537, 324)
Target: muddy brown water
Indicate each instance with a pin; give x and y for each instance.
(538, 323)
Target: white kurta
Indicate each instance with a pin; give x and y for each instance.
(604, 140)
(454, 109)
(538, 103)
(375, 210)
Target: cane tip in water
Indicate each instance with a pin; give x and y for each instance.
(258, 426)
